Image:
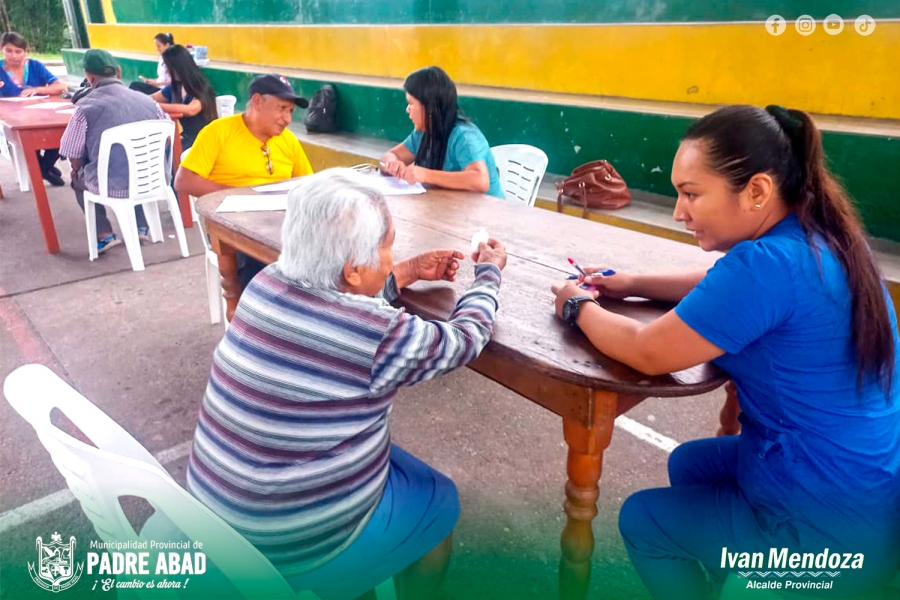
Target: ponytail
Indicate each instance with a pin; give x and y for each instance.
(165, 38)
(743, 141)
(824, 209)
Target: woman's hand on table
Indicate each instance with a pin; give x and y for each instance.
(28, 92)
(391, 166)
(564, 291)
(411, 173)
(438, 265)
(492, 252)
(618, 286)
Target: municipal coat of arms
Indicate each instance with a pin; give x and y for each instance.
(55, 569)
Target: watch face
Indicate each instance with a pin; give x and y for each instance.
(570, 309)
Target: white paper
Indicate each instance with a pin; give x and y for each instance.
(23, 98)
(392, 186)
(66, 111)
(253, 203)
(480, 236)
(281, 186)
(50, 105)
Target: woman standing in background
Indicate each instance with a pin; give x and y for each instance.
(163, 42)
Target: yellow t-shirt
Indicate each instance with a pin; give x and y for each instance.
(226, 152)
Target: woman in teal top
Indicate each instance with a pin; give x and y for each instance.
(445, 148)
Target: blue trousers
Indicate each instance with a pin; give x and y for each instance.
(670, 532)
(675, 535)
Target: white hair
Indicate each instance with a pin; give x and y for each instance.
(333, 218)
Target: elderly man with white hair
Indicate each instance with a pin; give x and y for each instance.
(292, 446)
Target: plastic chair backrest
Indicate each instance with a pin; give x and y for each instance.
(522, 169)
(225, 105)
(148, 147)
(120, 466)
(203, 237)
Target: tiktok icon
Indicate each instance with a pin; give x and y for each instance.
(865, 25)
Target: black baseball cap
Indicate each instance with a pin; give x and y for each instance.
(276, 85)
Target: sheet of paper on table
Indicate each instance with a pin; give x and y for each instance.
(281, 186)
(392, 186)
(66, 111)
(50, 105)
(24, 98)
(253, 203)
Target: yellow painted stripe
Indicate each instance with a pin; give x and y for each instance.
(109, 15)
(698, 63)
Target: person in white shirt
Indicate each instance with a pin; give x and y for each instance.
(163, 42)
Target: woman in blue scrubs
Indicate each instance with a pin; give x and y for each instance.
(798, 314)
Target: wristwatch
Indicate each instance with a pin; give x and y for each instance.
(572, 307)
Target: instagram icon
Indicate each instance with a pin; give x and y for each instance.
(805, 25)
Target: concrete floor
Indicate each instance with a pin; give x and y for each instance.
(139, 345)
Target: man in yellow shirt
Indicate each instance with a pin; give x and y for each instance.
(247, 149)
(250, 148)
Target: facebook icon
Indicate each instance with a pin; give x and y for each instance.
(775, 25)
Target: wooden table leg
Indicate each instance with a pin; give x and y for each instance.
(231, 285)
(586, 442)
(729, 413)
(40, 192)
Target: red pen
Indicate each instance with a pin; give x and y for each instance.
(575, 264)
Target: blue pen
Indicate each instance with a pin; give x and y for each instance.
(605, 273)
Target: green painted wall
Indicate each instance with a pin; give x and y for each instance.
(641, 146)
(321, 12)
(95, 12)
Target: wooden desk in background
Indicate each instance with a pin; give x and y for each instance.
(531, 351)
(34, 129)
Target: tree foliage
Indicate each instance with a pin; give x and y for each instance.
(42, 22)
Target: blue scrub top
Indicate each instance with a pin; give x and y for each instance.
(814, 449)
(466, 145)
(36, 75)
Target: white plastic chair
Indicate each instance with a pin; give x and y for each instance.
(149, 180)
(225, 105)
(522, 169)
(120, 466)
(217, 305)
(14, 153)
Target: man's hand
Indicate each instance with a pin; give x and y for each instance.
(565, 291)
(492, 251)
(438, 265)
(28, 92)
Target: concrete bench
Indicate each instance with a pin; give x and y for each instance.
(648, 213)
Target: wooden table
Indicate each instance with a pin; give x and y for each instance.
(531, 351)
(36, 129)
(33, 130)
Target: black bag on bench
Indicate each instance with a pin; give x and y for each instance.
(321, 116)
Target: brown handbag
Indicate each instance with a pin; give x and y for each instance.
(594, 185)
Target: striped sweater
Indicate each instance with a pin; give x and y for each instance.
(292, 443)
